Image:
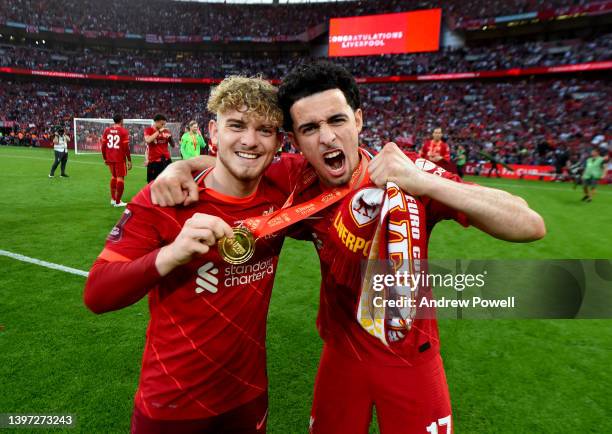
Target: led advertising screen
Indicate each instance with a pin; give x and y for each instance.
(406, 32)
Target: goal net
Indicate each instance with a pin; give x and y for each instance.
(88, 135)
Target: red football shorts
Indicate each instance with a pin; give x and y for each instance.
(118, 170)
(249, 418)
(408, 399)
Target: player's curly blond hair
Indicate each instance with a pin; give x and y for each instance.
(253, 96)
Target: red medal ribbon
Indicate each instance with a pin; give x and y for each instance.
(288, 215)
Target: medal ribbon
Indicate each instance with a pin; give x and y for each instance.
(288, 215)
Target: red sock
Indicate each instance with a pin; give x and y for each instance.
(113, 187)
(119, 191)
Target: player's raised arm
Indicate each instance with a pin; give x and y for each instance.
(175, 185)
(493, 211)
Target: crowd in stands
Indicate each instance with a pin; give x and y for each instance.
(517, 119)
(164, 17)
(219, 65)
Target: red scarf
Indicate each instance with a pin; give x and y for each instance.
(399, 244)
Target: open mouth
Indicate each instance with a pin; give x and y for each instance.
(247, 155)
(334, 159)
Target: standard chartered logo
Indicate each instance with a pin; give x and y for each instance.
(237, 275)
(207, 280)
(234, 275)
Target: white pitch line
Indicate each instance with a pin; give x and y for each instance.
(46, 264)
(70, 161)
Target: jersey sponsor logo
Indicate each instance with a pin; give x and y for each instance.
(365, 205)
(117, 231)
(244, 274)
(233, 276)
(208, 278)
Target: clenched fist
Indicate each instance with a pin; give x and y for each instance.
(391, 164)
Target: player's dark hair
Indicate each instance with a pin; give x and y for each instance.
(159, 117)
(117, 119)
(310, 78)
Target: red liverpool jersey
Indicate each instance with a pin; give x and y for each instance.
(342, 242)
(205, 346)
(115, 145)
(158, 148)
(431, 149)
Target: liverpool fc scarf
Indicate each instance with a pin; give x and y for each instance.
(397, 251)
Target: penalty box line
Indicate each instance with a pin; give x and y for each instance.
(45, 264)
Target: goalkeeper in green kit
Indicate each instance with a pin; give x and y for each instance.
(594, 171)
(192, 142)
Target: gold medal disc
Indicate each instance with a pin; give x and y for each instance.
(239, 249)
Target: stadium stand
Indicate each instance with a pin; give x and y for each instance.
(524, 119)
(222, 21)
(218, 65)
(513, 116)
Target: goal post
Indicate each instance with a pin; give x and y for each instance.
(88, 134)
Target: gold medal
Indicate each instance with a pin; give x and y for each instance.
(239, 249)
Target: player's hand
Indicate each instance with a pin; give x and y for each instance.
(175, 186)
(129, 165)
(391, 164)
(198, 235)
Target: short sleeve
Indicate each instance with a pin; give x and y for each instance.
(437, 211)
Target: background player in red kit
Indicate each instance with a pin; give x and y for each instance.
(437, 150)
(157, 138)
(116, 153)
(405, 380)
(204, 363)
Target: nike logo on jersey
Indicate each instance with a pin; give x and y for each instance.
(207, 280)
(260, 424)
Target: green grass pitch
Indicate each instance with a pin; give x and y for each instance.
(55, 356)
